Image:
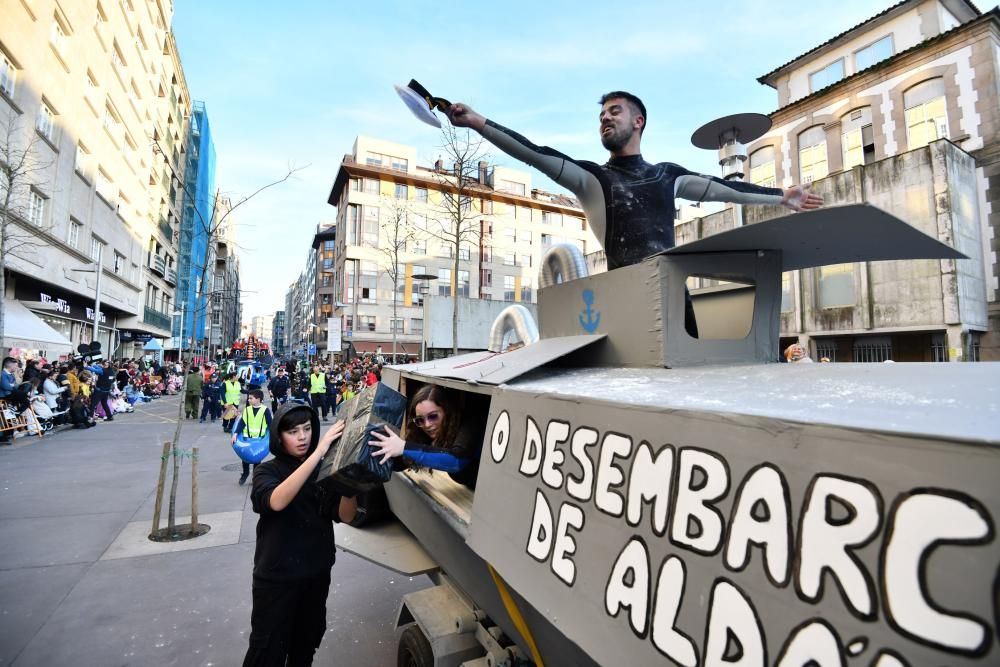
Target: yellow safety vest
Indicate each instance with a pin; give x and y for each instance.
(232, 392)
(317, 384)
(254, 425)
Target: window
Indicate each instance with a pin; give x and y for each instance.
(353, 221)
(327, 264)
(549, 218)
(873, 349)
(418, 246)
(120, 263)
(82, 160)
(57, 36)
(939, 347)
(812, 154)
(113, 124)
(36, 208)
(8, 75)
(547, 241)
(421, 194)
(395, 326)
(926, 116)
(368, 283)
(105, 187)
(417, 287)
(524, 260)
(786, 292)
(96, 245)
(463, 283)
(134, 273)
(508, 288)
(509, 258)
(485, 278)
(526, 291)
(366, 322)
(356, 185)
(44, 124)
(836, 285)
(400, 190)
(446, 250)
(117, 60)
(858, 139)
(372, 186)
(511, 187)
(826, 349)
(877, 52)
(416, 326)
(487, 253)
(369, 230)
(329, 244)
(444, 282)
(73, 238)
(524, 236)
(830, 74)
(326, 280)
(464, 252)
(762, 167)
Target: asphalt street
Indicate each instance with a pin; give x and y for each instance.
(76, 589)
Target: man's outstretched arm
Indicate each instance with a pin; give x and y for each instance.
(698, 187)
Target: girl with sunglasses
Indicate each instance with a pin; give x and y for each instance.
(436, 435)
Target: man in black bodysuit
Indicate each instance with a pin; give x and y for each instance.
(628, 202)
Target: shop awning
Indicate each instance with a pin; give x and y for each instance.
(371, 347)
(22, 328)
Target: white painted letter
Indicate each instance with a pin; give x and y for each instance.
(565, 546)
(632, 563)
(531, 459)
(825, 541)
(919, 523)
(608, 474)
(555, 433)
(649, 479)
(694, 501)
(764, 488)
(501, 437)
(540, 537)
(583, 488)
(812, 644)
(734, 633)
(667, 639)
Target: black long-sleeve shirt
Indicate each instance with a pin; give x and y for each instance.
(297, 542)
(628, 202)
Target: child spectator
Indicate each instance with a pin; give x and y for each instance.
(254, 422)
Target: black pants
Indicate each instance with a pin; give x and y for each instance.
(211, 408)
(246, 467)
(288, 621)
(319, 403)
(101, 398)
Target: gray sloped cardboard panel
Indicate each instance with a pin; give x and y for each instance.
(831, 235)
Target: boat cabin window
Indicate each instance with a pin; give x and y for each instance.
(723, 308)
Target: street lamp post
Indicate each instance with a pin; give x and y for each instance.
(424, 280)
(97, 269)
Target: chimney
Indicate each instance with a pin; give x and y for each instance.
(482, 172)
(439, 164)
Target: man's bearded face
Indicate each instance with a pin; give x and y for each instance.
(617, 124)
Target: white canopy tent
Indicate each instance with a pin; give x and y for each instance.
(22, 328)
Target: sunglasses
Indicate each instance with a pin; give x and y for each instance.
(429, 418)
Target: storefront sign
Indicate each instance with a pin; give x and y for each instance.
(59, 301)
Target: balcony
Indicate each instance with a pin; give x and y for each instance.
(170, 277)
(157, 319)
(157, 264)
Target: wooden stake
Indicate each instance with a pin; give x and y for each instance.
(159, 486)
(194, 488)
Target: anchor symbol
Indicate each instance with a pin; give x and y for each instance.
(593, 317)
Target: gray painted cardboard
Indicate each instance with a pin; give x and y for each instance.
(648, 532)
(830, 235)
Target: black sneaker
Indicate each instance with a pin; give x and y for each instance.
(243, 478)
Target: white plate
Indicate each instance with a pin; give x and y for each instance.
(418, 105)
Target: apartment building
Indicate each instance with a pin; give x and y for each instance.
(324, 246)
(901, 111)
(224, 299)
(95, 93)
(380, 182)
(278, 345)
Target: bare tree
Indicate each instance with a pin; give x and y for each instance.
(22, 227)
(458, 222)
(211, 225)
(396, 234)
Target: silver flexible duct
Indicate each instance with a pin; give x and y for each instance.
(562, 263)
(514, 319)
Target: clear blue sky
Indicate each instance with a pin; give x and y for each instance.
(293, 82)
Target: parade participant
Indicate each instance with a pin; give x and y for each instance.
(629, 203)
(254, 422)
(192, 393)
(317, 390)
(332, 389)
(438, 434)
(279, 388)
(211, 394)
(231, 390)
(102, 392)
(295, 548)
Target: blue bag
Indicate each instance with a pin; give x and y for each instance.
(251, 450)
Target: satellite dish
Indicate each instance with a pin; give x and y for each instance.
(421, 103)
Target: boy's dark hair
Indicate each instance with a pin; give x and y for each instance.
(9, 360)
(294, 418)
(635, 102)
(256, 393)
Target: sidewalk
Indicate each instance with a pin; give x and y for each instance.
(73, 590)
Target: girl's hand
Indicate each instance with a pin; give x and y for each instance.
(391, 445)
(331, 434)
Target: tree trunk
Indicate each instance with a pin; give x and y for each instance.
(454, 283)
(393, 324)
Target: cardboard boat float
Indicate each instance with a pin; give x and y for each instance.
(647, 498)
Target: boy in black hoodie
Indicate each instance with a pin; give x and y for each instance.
(295, 548)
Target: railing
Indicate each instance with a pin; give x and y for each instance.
(166, 230)
(157, 319)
